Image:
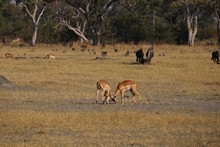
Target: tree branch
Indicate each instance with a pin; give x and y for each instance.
(26, 9)
(41, 14)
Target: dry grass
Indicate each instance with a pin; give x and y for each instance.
(53, 103)
(122, 128)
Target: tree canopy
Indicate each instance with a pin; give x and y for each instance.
(102, 21)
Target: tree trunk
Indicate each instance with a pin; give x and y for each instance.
(35, 21)
(81, 39)
(96, 38)
(218, 24)
(217, 14)
(218, 30)
(190, 37)
(194, 31)
(34, 36)
(192, 21)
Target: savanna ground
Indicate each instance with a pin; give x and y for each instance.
(53, 102)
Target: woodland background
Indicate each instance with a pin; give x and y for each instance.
(110, 21)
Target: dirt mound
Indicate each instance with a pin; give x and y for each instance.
(4, 82)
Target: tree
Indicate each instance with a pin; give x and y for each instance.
(192, 9)
(12, 22)
(71, 18)
(139, 19)
(216, 6)
(192, 24)
(38, 7)
(163, 21)
(94, 13)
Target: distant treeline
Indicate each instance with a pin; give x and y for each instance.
(110, 21)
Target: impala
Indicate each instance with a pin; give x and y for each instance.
(124, 86)
(50, 56)
(104, 87)
(9, 55)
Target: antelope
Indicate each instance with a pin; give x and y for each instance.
(124, 86)
(50, 56)
(104, 53)
(9, 55)
(16, 40)
(149, 55)
(103, 86)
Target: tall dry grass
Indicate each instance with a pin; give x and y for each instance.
(53, 103)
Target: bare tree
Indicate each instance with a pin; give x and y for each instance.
(192, 24)
(71, 18)
(35, 14)
(94, 13)
(192, 11)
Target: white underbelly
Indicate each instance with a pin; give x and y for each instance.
(127, 88)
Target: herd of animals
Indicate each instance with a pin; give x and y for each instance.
(139, 55)
(104, 87)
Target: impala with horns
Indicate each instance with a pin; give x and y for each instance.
(124, 86)
(105, 88)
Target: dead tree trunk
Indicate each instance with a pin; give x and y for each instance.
(34, 35)
(35, 19)
(217, 14)
(192, 21)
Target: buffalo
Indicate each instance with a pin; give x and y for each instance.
(149, 56)
(139, 55)
(215, 56)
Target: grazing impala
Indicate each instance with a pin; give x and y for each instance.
(124, 86)
(105, 88)
(50, 56)
(9, 55)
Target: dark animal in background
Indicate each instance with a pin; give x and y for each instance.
(116, 50)
(142, 61)
(149, 55)
(83, 46)
(139, 55)
(215, 56)
(104, 53)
